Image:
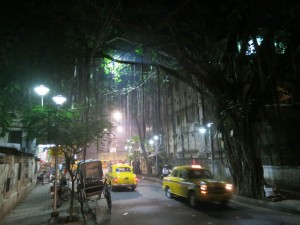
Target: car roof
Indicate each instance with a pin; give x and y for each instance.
(121, 165)
(190, 167)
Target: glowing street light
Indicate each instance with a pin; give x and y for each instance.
(117, 115)
(202, 130)
(157, 142)
(59, 100)
(120, 129)
(41, 91)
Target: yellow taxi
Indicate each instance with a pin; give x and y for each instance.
(121, 175)
(196, 184)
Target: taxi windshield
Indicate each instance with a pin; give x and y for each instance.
(123, 169)
(196, 174)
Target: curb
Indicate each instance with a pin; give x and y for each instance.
(291, 206)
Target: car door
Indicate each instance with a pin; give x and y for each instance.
(172, 181)
(177, 182)
(182, 183)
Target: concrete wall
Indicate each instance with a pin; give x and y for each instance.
(17, 179)
(283, 177)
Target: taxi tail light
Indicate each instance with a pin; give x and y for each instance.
(116, 180)
(136, 180)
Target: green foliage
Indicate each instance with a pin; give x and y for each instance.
(61, 126)
(138, 51)
(114, 69)
(11, 100)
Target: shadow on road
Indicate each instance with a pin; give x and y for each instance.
(119, 194)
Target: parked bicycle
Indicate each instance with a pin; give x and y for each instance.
(63, 191)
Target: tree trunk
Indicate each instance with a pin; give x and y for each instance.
(142, 141)
(244, 159)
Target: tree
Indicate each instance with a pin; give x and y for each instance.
(216, 45)
(65, 128)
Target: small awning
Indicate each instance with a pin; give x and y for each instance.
(153, 154)
(13, 151)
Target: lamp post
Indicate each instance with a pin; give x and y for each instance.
(151, 142)
(41, 91)
(156, 137)
(156, 142)
(116, 118)
(59, 100)
(202, 130)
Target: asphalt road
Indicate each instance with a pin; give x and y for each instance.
(148, 205)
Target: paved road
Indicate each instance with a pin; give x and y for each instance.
(147, 205)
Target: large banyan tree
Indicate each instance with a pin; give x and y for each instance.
(246, 54)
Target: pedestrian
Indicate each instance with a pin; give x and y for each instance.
(165, 171)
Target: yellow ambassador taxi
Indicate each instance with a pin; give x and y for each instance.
(196, 184)
(121, 175)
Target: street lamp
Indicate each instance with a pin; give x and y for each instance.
(59, 100)
(41, 91)
(202, 130)
(156, 143)
(117, 115)
(115, 119)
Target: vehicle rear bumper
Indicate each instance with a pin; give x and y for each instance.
(123, 185)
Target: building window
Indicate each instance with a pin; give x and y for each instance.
(15, 136)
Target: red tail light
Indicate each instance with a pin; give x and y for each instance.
(116, 180)
(136, 179)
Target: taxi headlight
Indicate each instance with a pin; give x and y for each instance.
(203, 187)
(229, 187)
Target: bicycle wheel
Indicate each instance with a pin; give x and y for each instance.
(66, 194)
(107, 195)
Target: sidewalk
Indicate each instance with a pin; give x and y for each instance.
(36, 209)
(291, 206)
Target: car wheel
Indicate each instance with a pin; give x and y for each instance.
(193, 201)
(168, 192)
(133, 187)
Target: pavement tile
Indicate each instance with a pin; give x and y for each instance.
(35, 209)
